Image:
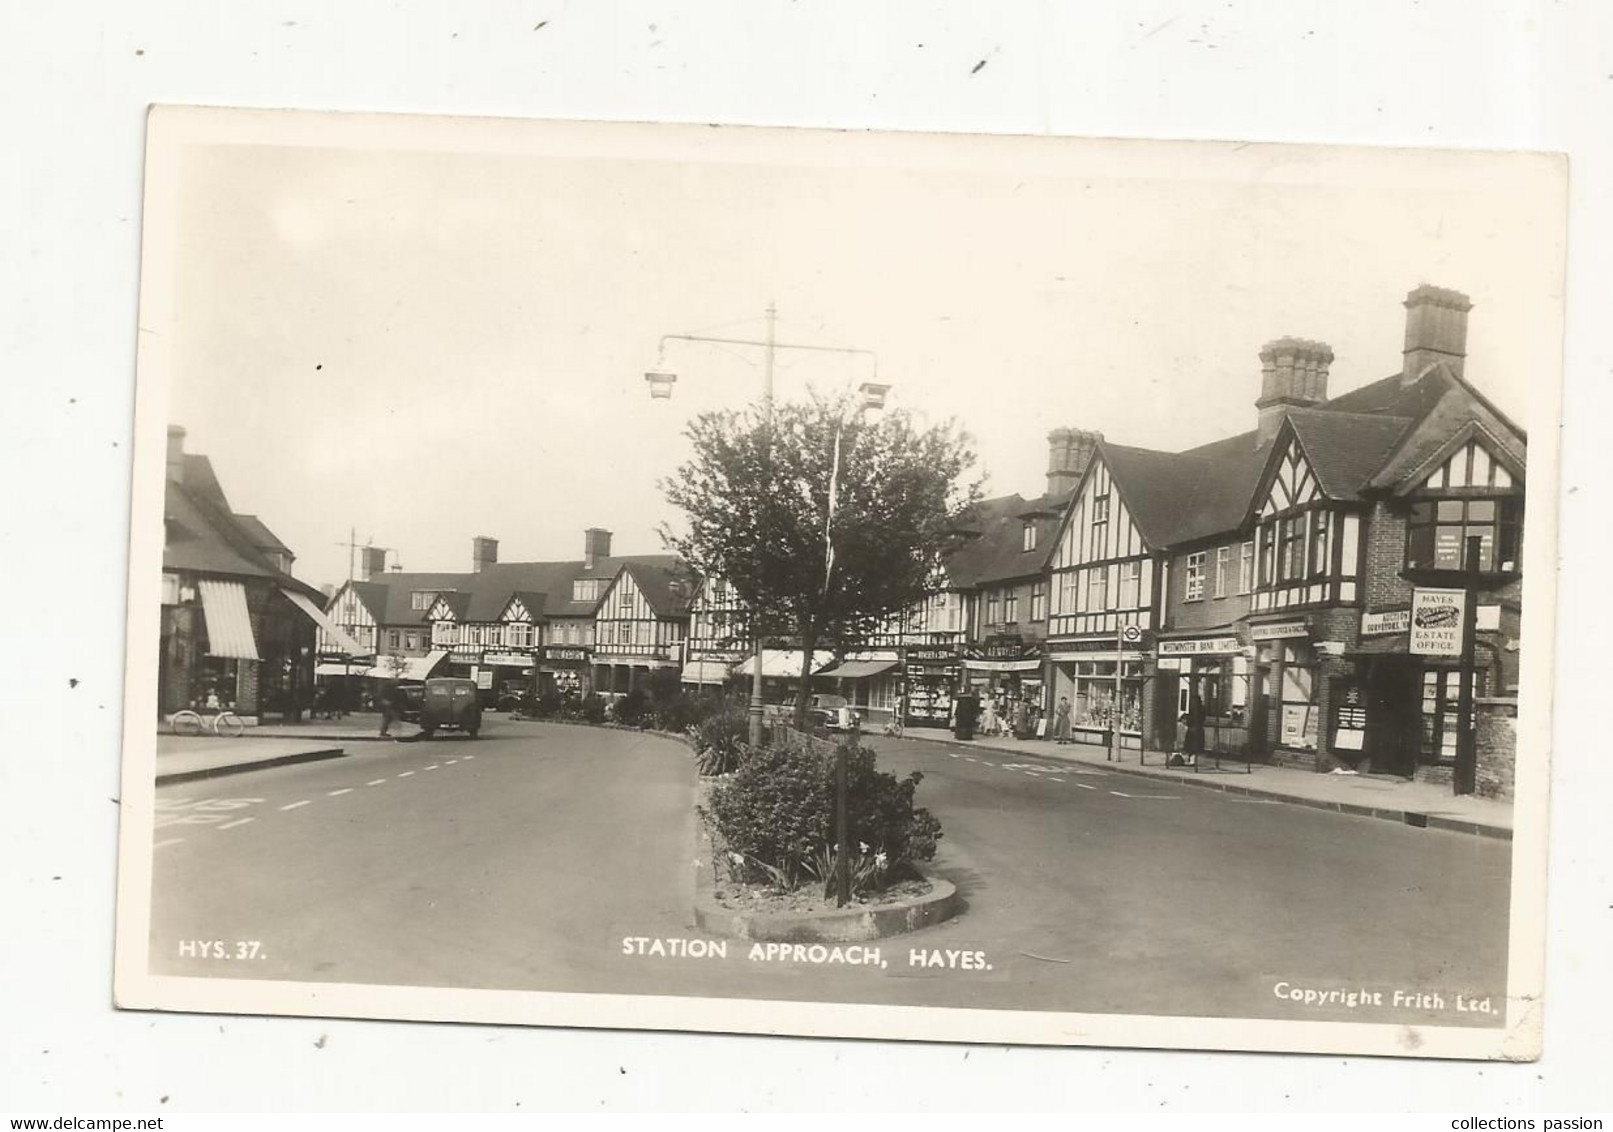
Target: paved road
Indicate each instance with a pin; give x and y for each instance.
(523, 859)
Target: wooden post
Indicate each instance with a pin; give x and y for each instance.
(842, 831)
(1465, 778)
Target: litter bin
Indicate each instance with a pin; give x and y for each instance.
(966, 710)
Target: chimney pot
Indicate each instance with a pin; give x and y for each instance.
(1069, 451)
(1436, 331)
(1293, 374)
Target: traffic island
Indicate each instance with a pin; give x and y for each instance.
(855, 923)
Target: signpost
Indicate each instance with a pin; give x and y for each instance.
(1444, 624)
(1126, 634)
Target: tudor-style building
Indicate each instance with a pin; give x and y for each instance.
(640, 625)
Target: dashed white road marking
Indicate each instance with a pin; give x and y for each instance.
(450, 762)
(375, 782)
(1084, 786)
(467, 756)
(1050, 778)
(1167, 797)
(343, 790)
(236, 822)
(1256, 801)
(406, 774)
(433, 766)
(168, 841)
(294, 805)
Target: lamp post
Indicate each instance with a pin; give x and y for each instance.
(661, 380)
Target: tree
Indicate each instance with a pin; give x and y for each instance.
(756, 495)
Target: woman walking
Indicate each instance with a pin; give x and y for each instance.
(1061, 721)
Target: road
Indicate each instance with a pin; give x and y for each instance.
(523, 859)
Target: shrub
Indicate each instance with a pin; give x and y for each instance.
(775, 818)
(632, 709)
(548, 705)
(593, 708)
(720, 736)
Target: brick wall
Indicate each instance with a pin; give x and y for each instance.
(1386, 558)
(1495, 735)
(1211, 612)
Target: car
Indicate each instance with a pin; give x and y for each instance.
(409, 699)
(451, 702)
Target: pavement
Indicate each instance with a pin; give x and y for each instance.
(564, 858)
(183, 758)
(1422, 804)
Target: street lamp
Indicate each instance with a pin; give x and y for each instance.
(661, 379)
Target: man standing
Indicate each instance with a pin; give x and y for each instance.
(388, 710)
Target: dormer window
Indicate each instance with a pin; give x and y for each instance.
(1028, 537)
(587, 589)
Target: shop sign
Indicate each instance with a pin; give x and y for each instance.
(1200, 647)
(1436, 622)
(923, 654)
(1350, 735)
(508, 659)
(465, 658)
(1299, 726)
(484, 679)
(1383, 624)
(1005, 647)
(565, 652)
(1279, 631)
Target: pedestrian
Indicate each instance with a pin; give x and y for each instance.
(1022, 719)
(1061, 721)
(988, 718)
(388, 711)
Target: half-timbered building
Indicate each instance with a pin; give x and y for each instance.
(641, 624)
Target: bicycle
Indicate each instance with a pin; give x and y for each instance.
(893, 727)
(225, 724)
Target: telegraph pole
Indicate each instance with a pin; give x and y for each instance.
(1465, 778)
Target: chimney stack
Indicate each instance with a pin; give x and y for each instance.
(595, 546)
(1436, 331)
(1293, 375)
(483, 553)
(1069, 451)
(371, 562)
(176, 453)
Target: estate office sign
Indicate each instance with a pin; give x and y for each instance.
(1436, 622)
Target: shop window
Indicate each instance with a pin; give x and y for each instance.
(1442, 697)
(1193, 578)
(1300, 723)
(1094, 702)
(1438, 530)
(1038, 601)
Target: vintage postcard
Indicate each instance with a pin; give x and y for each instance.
(927, 587)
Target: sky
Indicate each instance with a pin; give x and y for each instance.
(425, 330)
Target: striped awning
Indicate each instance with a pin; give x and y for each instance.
(858, 669)
(229, 625)
(338, 636)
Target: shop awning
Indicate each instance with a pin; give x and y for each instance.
(857, 669)
(229, 625)
(705, 672)
(332, 668)
(782, 663)
(1034, 664)
(418, 667)
(338, 636)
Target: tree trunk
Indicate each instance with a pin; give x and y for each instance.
(803, 699)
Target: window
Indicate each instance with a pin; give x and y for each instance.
(992, 608)
(1011, 606)
(586, 589)
(1291, 548)
(1193, 578)
(411, 640)
(518, 635)
(1438, 530)
(1100, 508)
(442, 633)
(1223, 567)
(1098, 589)
(719, 591)
(1038, 601)
(1029, 537)
(1246, 567)
(1131, 585)
(422, 599)
(1321, 545)
(1069, 583)
(394, 639)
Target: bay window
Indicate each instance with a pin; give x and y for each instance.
(1437, 532)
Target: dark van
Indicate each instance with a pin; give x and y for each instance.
(451, 702)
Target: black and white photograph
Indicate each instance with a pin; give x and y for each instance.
(838, 583)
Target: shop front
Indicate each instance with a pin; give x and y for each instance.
(514, 676)
(1007, 672)
(1203, 682)
(1286, 693)
(565, 671)
(871, 684)
(1105, 689)
(930, 680)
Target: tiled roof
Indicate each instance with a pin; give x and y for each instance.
(202, 535)
(1344, 449)
(262, 537)
(999, 554)
(668, 587)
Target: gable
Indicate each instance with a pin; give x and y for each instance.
(516, 610)
(1473, 459)
(1289, 481)
(1098, 525)
(441, 611)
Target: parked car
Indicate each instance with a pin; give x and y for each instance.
(451, 702)
(409, 699)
